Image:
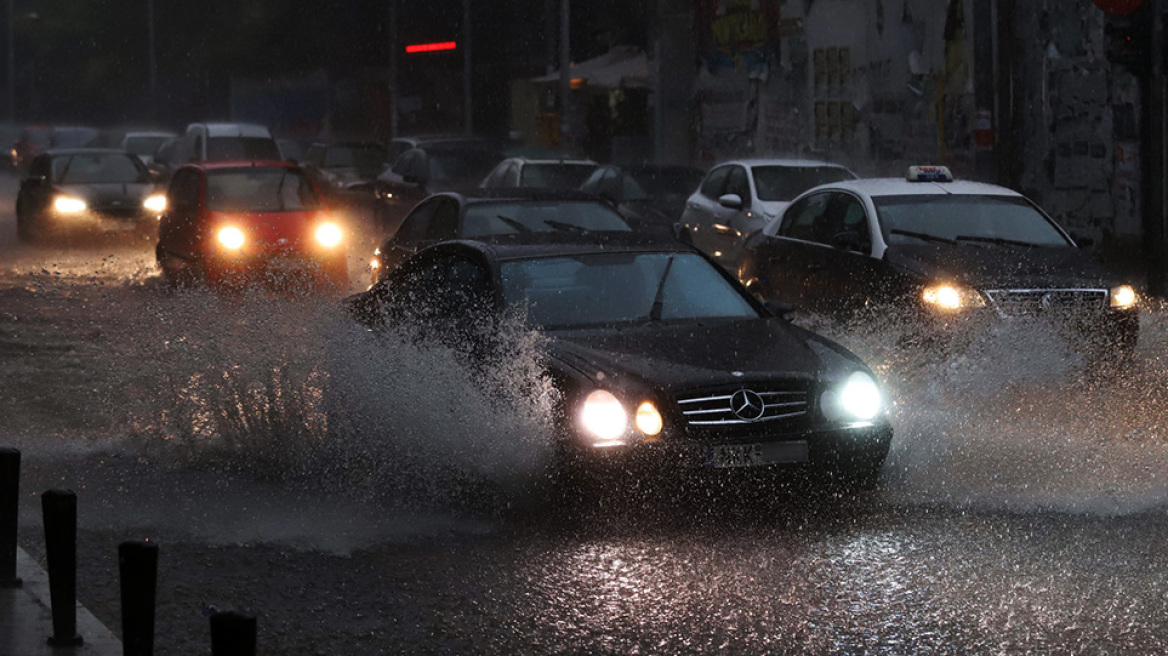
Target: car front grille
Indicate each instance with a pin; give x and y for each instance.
(1035, 302)
(119, 213)
(716, 407)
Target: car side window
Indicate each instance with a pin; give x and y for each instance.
(184, 191)
(444, 222)
(852, 218)
(715, 181)
(413, 229)
(800, 220)
(737, 183)
(592, 184)
(197, 155)
(511, 177)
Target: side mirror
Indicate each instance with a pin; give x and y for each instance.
(731, 201)
(848, 240)
(781, 309)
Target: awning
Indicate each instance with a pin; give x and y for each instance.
(623, 66)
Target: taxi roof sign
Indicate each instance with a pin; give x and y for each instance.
(929, 174)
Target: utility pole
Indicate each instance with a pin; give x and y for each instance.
(1006, 138)
(983, 91)
(1156, 229)
(467, 93)
(565, 68)
(11, 63)
(153, 61)
(393, 88)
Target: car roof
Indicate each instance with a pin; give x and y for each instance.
(902, 187)
(568, 161)
(348, 143)
(236, 130)
(782, 161)
(148, 133)
(557, 244)
(53, 152)
(243, 164)
(522, 193)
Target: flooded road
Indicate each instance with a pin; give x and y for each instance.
(1024, 508)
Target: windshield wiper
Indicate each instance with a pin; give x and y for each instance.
(659, 297)
(923, 236)
(995, 240)
(519, 227)
(564, 227)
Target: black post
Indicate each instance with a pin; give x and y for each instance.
(60, 513)
(9, 510)
(138, 566)
(233, 634)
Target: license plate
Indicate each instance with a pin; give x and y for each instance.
(755, 455)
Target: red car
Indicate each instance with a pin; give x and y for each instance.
(235, 223)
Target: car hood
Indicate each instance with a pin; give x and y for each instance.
(677, 356)
(109, 194)
(988, 267)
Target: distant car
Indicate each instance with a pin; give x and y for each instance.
(292, 150)
(220, 142)
(33, 140)
(428, 169)
(144, 143)
(736, 199)
(346, 165)
(651, 197)
(661, 360)
(539, 173)
(87, 190)
(233, 224)
(949, 257)
(494, 212)
(399, 145)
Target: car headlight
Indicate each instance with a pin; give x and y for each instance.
(604, 417)
(648, 419)
(155, 203)
(329, 234)
(951, 297)
(1123, 297)
(232, 238)
(857, 399)
(68, 205)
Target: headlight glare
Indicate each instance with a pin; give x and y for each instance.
(68, 205)
(648, 419)
(155, 203)
(232, 238)
(1123, 297)
(329, 234)
(857, 399)
(951, 297)
(604, 417)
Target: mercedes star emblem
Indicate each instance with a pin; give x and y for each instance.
(747, 405)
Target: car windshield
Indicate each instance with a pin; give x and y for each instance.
(647, 184)
(259, 190)
(257, 148)
(461, 165)
(144, 146)
(555, 176)
(511, 217)
(371, 156)
(620, 288)
(98, 168)
(958, 218)
(784, 183)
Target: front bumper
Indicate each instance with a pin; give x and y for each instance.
(1092, 329)
(109, 220)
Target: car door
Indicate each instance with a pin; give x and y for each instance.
(180, 229)
(840, 273)
(782, 260)
(699, 215)
(733, 224)
(445, 296)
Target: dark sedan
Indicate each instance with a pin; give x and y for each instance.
(494, 212)
(87, 190)
(661, 359)
(947, 257)
(428, 169)
(651, 197)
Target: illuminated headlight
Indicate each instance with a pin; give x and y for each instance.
(648, 419)
(951, 297)
(67, 205)
(604, 417)
(155, 203)
(1123, 297)
(329, 234)
(375, 264)
(231, 238)
(857, 399)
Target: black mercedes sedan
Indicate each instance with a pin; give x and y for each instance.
(949, 258)
(660, 358)
(87, 190)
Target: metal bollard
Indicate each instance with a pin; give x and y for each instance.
(9, 512)
(138, 567)
(60, 513)
(233, 634)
